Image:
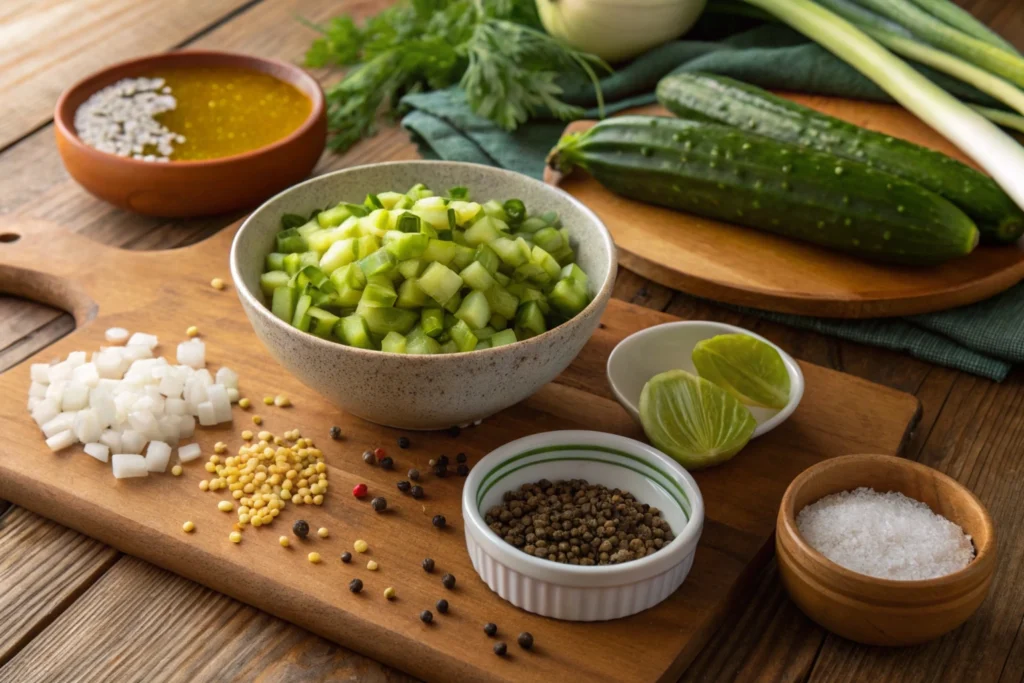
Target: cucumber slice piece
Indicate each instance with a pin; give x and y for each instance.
(546, 261)
(531, 294)
(341, 253)
(301, 318)
(379, 291)
(486, 257)
(411, 295)
(501, 302)
(408, 222)
(393, 342)
(321, 240)
(308, 228)
(333, 217)
(530, 320)
(350, 275)
(293, 220)
(440, 283)
(353, 331)
(372, 202)
(463, 336)
(290, 242)
(459, 192)
(405, 245)
(383, 320)
(274, 261)
(272, 280)
(548, 239)
(475, 275)
(350, 228)
(432, 321)
(292, 263)
(418, 191)
(463, 256)
(482, 344)
(532, 273)
(509, 251)
(439, 251)
(498, 322)
(422, 345)
(380, 261)
(474, 310)
(411, 268)
(366, 245)
(494, 209)
(502, 279)
(483, 231)
(322, 322)
(464, 211)
(574, 272)
(309, 258)
(569, 297)
(449, 347)
(283, 302)
(453, 304)
(310, 275)
(485, 332)
(376, 223)
(389, 199)
(533, 224)
(503, 337)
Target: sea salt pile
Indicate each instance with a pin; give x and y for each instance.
(120, 119)
(886, 535)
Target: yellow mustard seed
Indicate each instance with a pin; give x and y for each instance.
(220, 448)
(284, 541)
(192, 331)
(257, 420)
(282, 401)
(322, 532)
(318, 500)
(235, 537)
(265, 436)
(268, 400)
(217, 283)
(247, 435)
(361, 546)
(176, 470)
(244, 403)
(389, 593)
(314, 557)
(204, 485)
(188, 527)
(372, 565)
(225, 506)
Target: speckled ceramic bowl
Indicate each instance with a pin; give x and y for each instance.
(423, 392)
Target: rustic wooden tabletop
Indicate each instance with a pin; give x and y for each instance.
(74, 609)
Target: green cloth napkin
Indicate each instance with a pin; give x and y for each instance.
(986, 338)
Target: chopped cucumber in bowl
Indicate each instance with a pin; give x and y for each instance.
(418, 273)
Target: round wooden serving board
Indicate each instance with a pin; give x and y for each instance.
(747, 267)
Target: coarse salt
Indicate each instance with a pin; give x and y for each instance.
(885, 535)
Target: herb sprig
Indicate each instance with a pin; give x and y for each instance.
(494, 50)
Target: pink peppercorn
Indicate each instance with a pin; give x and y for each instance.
(379, 453)
(359, 490)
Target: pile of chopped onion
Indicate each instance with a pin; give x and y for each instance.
(125, 397)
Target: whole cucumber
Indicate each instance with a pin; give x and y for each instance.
(718, 99)
(738, 177)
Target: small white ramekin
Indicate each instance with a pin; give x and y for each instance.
(573, 592)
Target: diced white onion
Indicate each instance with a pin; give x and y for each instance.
(192, 353)
(60, 372)
(189, 452)
(45, 410)
(227, 377)
(40, 373)
(76, 358)
(175, 406)
(207, 414)
(127, 465)
(61, 440)
(37, 390)
(111, 440)
(86, 374)
(233, 395)
(116, 335)
(76, 396)
(132, 441)
(63, 421)
(98, 451)
(157, 455)
(87, 427)
(186, 427)
(142, 339)
(218, 398)
(170, 428)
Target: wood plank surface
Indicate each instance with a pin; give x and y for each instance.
(30, 169)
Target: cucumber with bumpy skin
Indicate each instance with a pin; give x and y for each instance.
(718, 99)
(735, 176)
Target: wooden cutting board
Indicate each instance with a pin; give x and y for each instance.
(747, 267)
(165, 292)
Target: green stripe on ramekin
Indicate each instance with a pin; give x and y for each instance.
(495, 475)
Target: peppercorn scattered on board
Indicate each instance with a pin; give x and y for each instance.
(106, 288)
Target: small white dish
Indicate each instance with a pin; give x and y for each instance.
(573, 592)
(647, 353)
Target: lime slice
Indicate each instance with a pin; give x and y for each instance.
(746, 367)
(694, 421)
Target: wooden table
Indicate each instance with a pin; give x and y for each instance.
(74, 609)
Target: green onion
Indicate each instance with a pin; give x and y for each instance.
(964, 21)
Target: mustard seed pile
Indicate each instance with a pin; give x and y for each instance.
(574, 522)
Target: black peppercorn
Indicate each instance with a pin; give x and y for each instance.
(355, 585)
(448, 581)
(525, 640)
(454, 431)
(387, 463)
(461, 457)
(490, 628)
(443, 461)
(426, 616)
(414, 474)
(439, 521)
(440, 471)
(417, 492)
(346, 557)
(403, 442)
(368, 458)
(336, 433)
(379, 504)
(301, 528)
(404, 486)
(462, 470)
(428, 565)
(500, 649)
(442, 606)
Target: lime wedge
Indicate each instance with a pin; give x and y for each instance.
(746, 367)
(692, 420)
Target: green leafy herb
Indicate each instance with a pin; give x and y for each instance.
(494, 50)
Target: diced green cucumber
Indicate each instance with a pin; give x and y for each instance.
(501, 301)
(372, 202)
(393, 342)
(569, 296)
(321, 240)
(405, 245)
(411, 268)
(379, 291)
(494, 209)
(463, 336)
(487, 258)
(272, 280)
(509, 251)
(531, 294)
(283, 302)
(290, 242)
(503, 337)
(485, 332)
(482, 344)
(292, 263)
(389, 199)
(339, 254)
(333, 217)
(549, 239)
(440, 282)
(322, 322)
(498, 322)
(533, 224)
(546, 261)
(530, 319)
(438, 251)
(301, 318)
(453, 304)
(502, 279)
(574, 272)
(450, 347)
(474, 310)
(464, 211)
(309, 227)
(353, 331)
(532, 272)
(484, 231)
(310, 275)
(476, 276)
(380, 261)
(376, 223)
(422, 345)
(411, 295)
(274, 261)
(351, 275)
(383, 320)
(407, 222)
(463, 256)
(366, 245)
(432, 321)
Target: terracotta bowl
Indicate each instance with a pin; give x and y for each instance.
(410, 391)
(191, 188)
(877, 611)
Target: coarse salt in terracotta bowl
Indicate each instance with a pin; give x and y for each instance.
(423, 392)
(872, 610)
(200, 187)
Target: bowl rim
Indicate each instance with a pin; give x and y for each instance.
(676, 552)
(297, 78)
(797, 383)
(596, 302)
(976, 571)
